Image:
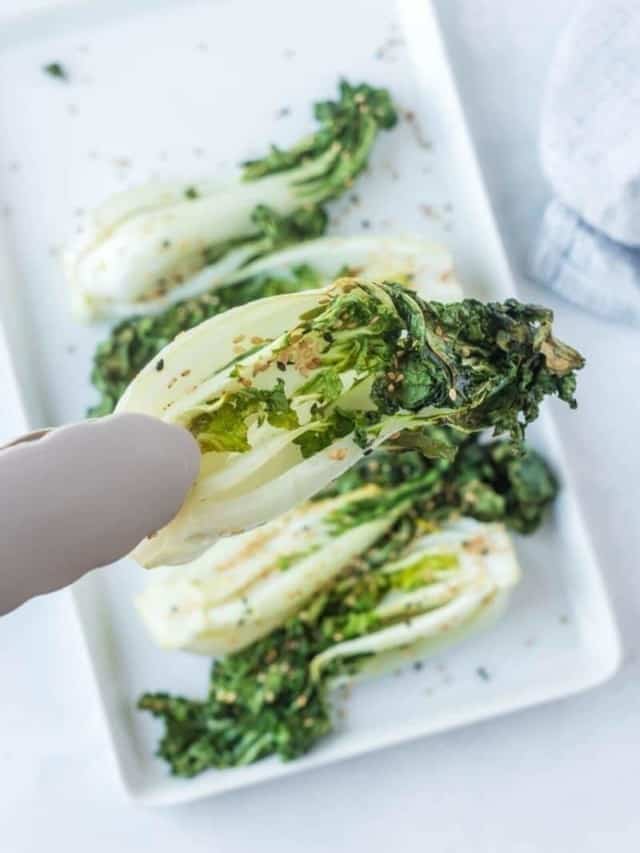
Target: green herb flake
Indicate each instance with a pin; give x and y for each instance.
(57, 70)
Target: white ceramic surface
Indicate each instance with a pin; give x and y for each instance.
(570, 582)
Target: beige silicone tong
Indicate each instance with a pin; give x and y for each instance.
(84, 495)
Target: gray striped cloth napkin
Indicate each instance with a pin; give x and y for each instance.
(588, 248)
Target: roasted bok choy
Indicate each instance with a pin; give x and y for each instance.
(244, 586)
(446, 581)
(133, 342)
(273, 697)
(286, 393)
(418, 576)
(154, 245)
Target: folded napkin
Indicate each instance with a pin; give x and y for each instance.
(588, 248)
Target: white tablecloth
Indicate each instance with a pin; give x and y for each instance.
(550, 780)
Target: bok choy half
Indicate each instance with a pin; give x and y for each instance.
(286, 393)
(446, 581)
(154, 245)
(274, 696)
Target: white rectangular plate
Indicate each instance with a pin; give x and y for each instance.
(190, 88)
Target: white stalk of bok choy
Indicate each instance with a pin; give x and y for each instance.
(154, 245)
(420, 264)
(447, 584)
(244, 586)
(286, 393)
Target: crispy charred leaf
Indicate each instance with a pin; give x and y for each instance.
(260, 703)
(486, 364)
(262, 700)
(496, 482)
(469, 365)
(492, 481)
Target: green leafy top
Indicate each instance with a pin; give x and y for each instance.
(469, 365)
(486, 364)
(348, 128)
(493, 481)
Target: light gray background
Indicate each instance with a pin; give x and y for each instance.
(550, 780)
